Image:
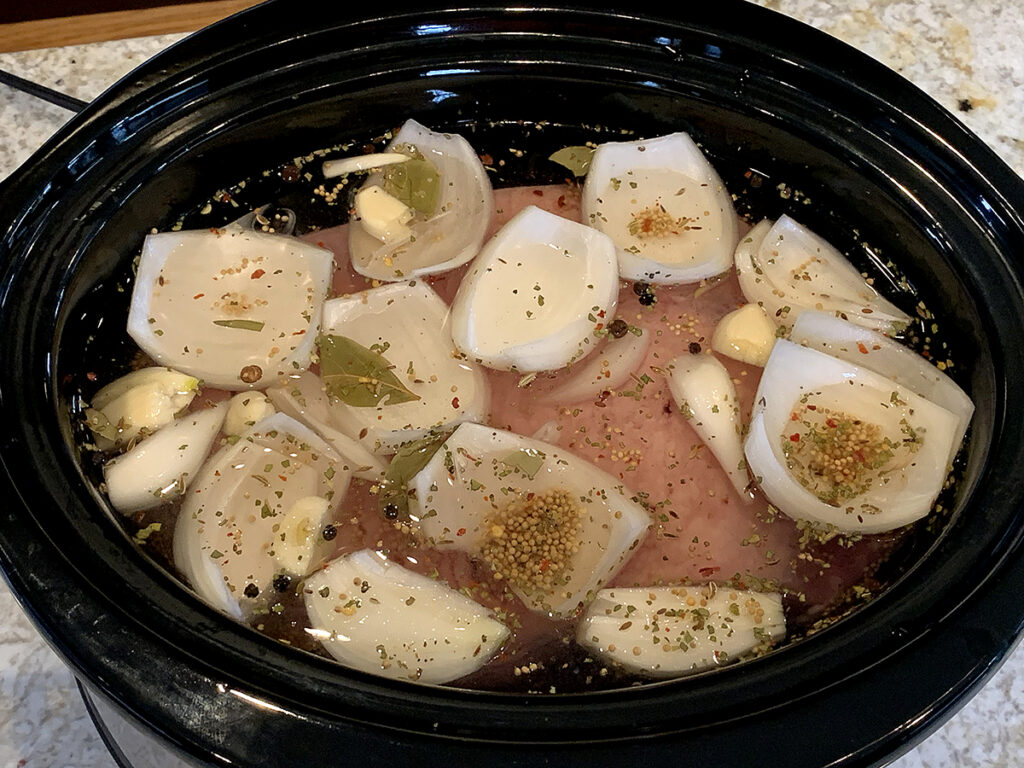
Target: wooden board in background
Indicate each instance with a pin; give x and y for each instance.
(116, 25)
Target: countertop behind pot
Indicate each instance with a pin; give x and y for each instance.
(968, 55)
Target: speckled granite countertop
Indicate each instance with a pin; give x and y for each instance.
(968, 55)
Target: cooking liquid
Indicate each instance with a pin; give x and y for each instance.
(702, 530)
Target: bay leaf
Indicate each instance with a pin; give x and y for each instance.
(242, 325)
(526, 460)
(358, 376)
(416, 183)
(576, 159)
(405, 465)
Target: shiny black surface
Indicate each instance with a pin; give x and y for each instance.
(860, 141)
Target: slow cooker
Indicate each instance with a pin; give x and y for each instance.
(279, 81)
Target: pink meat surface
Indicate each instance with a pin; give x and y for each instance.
(702, 529)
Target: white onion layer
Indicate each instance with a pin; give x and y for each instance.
(788, 269)
(411, 321)
(448, 238)
(401, 624)
(900, 492)
(302, 397)
(230, 522)
(668, 174)
(608, 368)
(232, 308)
(535, 294)
(674, 630)
(861, 346)
(476, 473)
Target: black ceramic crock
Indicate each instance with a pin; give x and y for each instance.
(814, 115)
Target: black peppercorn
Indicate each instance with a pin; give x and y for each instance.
(391, 511)
(694, 348)
(640, 288)
(647, 299)
(251, 590)
(618, 328)
(329, 532)
(282, 581)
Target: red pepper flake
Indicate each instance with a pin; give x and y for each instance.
(225, 198)
(91, 376)
(455, 402)
(486, 159)
(601, 313)
(710, 570)
(544, 565)
(862, 348)
(529, 496)
(460, 532)
(257, 274)
(285, 479)
(320, 244)
(794, 416)
(831, 423)
(812, 407)
(795, 437)
(561, 201)
(538, 192)
(599, 326)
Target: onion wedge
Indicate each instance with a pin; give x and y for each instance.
(407, 324)
(231, 521)
(665, 207)
(608, 368)
(465, 497)
(302, 397)
(860, 346)
(446, 236)
(667, 631)
(535, 294)
(788, 269)
(398, 623)
(230, 307)
(837, 444)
